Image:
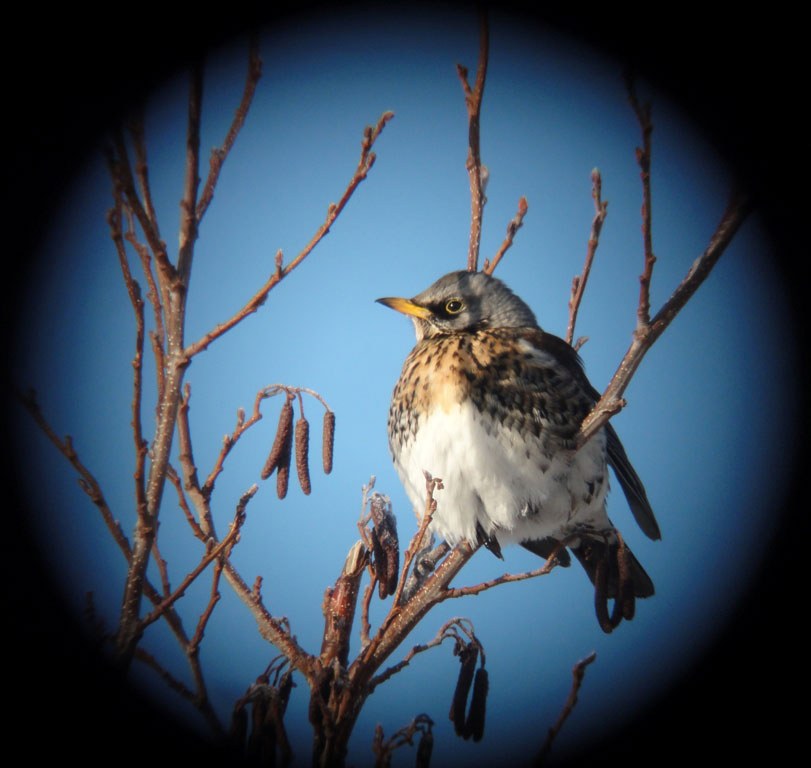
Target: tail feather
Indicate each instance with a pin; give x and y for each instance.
(591, 552)
(616, 574)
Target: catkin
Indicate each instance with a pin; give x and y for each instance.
(467, 657)
(283, 474)
(282, 439)
(302, 451)
(474, 726)
(239, 728)
(283, 467)
(328, 440)
(424, 749)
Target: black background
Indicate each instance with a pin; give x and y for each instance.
(68, 74)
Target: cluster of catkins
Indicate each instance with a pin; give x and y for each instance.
(287, 438)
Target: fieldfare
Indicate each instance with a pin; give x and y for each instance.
(492, 404)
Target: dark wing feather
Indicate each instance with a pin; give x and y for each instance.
(545, 547)
(631, 485)
(617, 458)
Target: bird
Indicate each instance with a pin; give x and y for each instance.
(492, 404)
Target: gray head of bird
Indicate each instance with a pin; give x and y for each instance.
(463, 302)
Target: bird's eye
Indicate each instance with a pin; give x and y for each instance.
(454, 306)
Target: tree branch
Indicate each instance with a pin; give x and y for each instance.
(579, 281)
(273, 630)
(219, 154)
(365, 163)
(643, 158)
(214, 552)
(473, 102)
(512, 228)
(578, 673)
(611, 401)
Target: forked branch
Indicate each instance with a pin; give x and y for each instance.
(579, 281)
(281, 270)
(648, 330)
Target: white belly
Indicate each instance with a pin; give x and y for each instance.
(496, 479)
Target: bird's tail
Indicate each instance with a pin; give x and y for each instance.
(616, 574)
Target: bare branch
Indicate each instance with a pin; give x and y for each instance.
(579, 282)
(136, 127)
(384, 748)
(578, 673)
(611, 401)
(512, 228)
(446, 631)
(213, 599)
(174, 479)
(214, 552)
(473, 102)
(188, 205)
(176, 685)
(121, 172)
(87, 481)
(134, 292)
(272, 629)
(643, 158)
(365, 163)
(418, 541)
(506, 578)
(219, 154)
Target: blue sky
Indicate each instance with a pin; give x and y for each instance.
(552, 112)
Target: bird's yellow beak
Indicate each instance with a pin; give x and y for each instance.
(406, 306)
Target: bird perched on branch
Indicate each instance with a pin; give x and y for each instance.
(492, 404)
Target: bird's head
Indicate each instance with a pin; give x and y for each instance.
(463, 302)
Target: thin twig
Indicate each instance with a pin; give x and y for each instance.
(213, 599)
(87, 481)
(228, 443)
(272, 629)
(383, 749)
(176, 685)
(473, 102)
(174, 479)
(578, 673)
(121, 172)
(134, 291)
(445, 632)
(365, 163)
(189, 225)
(579, 281)
(417, 542)
(158, 334)
(612, 401)
(219, 154)
(475, 589)
(512, 228)
(213, 553)
(136, 127)
(643, 158)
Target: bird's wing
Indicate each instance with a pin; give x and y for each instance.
(631, 485)
(617, 458)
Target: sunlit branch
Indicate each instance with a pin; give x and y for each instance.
(512, 228)
(579, 281)
(281, 271)
(473, 102)
(219, 154)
